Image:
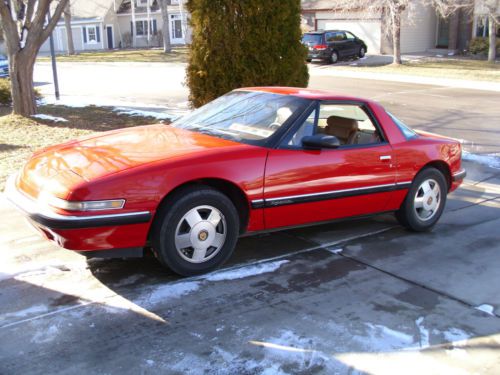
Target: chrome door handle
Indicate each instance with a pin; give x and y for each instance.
(385, 157)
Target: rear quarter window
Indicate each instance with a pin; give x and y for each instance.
(405, 129)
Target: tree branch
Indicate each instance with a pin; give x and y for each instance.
(29, 14)
(54, 19)
(9, 26)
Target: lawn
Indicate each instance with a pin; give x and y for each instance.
(443, 68)
(178, 55)
(20, 136)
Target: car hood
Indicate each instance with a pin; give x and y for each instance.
(58, 168)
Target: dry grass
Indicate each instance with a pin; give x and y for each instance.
(20, 136)
(178, 55)
(442, 68)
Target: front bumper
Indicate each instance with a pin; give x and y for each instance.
(459, 176)
(82, 233)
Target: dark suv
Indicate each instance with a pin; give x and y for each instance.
(332, 45)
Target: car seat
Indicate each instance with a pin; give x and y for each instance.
(345, 129)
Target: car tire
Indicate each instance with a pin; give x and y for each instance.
(424, 202)
(334, 57)
(362, 52)
(195, 231)
(308, 60)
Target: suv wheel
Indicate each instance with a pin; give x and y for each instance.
(334, 57)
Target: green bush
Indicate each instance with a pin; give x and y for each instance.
(244, 43)
(482, 46)
(6, 95)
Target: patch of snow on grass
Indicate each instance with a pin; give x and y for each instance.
(49, 118)
(245, 271)
(490, 160)
(143, 113)
(488, 309)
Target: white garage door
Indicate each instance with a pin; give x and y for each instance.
(368, 30)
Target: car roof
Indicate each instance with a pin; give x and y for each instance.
(324, 31)
(305, 93)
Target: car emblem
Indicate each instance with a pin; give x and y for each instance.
(203, 235)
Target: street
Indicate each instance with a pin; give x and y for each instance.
(353, 297)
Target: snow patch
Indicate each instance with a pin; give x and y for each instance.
(424, 333)
(335, 251)
(382, 338)
(454, 334)
(169, 291)
(488, 309)
(490, 160)
(37, 309)
(243, 272)
(143, 113)
(49, 118)
(45, 335)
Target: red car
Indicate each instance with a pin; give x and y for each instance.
(255, 159)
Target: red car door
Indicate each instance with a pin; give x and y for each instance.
(358, 178)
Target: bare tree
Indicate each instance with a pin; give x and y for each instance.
(491, 8)
(25, 27)
(393, 11)
(69, 31)
(167, 47)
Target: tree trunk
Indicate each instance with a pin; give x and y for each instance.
(167, 47)
(21, 77)
(69, 31)
(492, 53)
(396, 37)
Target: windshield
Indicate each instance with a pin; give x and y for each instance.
(243, 116)
(407, 132)
(311, 39)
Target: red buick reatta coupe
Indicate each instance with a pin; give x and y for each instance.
(255, 159)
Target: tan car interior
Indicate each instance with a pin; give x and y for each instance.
(347, 131)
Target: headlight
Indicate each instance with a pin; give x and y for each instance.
(112, 204)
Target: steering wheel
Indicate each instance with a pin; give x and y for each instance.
(274, 126)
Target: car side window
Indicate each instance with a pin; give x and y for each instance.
(330, 37)
(350, 123)
(339, 36)
(349, 36)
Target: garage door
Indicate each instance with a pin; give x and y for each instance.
(368, 30)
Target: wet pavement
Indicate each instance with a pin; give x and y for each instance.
(363, 296)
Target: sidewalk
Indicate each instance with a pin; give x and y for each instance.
(358, 69)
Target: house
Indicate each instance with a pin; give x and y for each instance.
(421, 29)
(109, 24)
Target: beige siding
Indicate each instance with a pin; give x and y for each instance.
(418, 29)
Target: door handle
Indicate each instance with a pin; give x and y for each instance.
(385, 157)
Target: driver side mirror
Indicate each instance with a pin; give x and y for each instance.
(320, 141)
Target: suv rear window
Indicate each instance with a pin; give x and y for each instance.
(311, 38)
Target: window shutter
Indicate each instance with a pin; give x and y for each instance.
(84, 31)
(155, 30)
(131, 28)
(98, 34)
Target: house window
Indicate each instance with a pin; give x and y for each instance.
(91, 34)
(482, 27)
(141, 27)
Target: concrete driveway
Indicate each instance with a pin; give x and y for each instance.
(363, 296)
